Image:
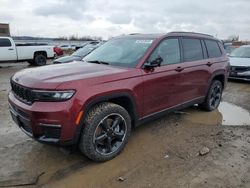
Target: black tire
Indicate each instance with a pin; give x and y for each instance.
(106, 131)
(40, 60)
(213, 98)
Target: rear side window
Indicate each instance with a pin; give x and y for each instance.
(192, 49)
(5, 43)
(213, 49)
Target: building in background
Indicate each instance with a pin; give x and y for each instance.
(4, 29)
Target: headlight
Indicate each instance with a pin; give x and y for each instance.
(40, 95)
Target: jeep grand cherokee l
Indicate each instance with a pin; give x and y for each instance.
(125, 82)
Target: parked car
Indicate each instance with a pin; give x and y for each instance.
(68, 47)
(123, 83)
(240, 63)
(77, 55)
(34, 54)
(91, 42)
(58, 51)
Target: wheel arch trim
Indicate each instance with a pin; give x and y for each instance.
(104, 98)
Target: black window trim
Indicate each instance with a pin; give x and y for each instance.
(204, 49)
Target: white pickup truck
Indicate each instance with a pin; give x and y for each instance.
(35, 54)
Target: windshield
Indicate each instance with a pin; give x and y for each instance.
(124, 52)
(243, 52)
(84, 50)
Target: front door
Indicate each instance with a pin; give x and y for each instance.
(7, 50)
(163, 85)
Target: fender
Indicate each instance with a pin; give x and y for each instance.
(104, 98)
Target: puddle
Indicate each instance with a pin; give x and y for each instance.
(227, 114)
(233, 115)
(197, 116)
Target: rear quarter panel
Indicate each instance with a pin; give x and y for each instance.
(220, 67)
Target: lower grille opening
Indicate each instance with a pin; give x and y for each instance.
(52, 132)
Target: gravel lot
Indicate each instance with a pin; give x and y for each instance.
(163, 153)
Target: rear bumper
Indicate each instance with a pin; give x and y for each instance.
(51, 123)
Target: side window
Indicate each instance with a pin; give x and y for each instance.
(168, 50)
(5, 43)
(213, 49)
(192, 49)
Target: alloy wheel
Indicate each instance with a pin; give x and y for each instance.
(215, 96)
(109, 134)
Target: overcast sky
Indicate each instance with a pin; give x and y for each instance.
(106, 18)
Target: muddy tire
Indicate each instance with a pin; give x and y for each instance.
(213, 98)
(106, 131)
(40, 60)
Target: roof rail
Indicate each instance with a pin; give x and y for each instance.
(185, 32)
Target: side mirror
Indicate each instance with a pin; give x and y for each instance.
(154, 63)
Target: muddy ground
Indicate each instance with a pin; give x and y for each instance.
(161, 153)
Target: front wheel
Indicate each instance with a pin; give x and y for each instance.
(106, 131)
(213, 97)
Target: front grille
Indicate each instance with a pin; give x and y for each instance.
(240, 69)
(23, 93)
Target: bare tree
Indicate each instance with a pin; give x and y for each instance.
(233, 38)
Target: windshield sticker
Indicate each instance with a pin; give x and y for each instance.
(144, 41)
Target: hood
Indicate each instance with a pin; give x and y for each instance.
(51, 76)
(67, 59)
(241, 62)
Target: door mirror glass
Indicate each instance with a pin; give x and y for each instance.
(154, 63)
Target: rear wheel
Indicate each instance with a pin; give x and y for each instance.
(213, 97)
(39, 60)
(106, 131)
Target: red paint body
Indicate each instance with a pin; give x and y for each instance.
(152, 90)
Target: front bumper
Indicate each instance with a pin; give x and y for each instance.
(239, 73)
(46, 122)
(51, 133)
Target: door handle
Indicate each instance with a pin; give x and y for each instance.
(10, 49)
(179, 69)
(209, 64)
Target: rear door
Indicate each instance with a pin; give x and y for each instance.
(7, 50)
(196, 68)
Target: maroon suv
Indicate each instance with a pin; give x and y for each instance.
(124, 82)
